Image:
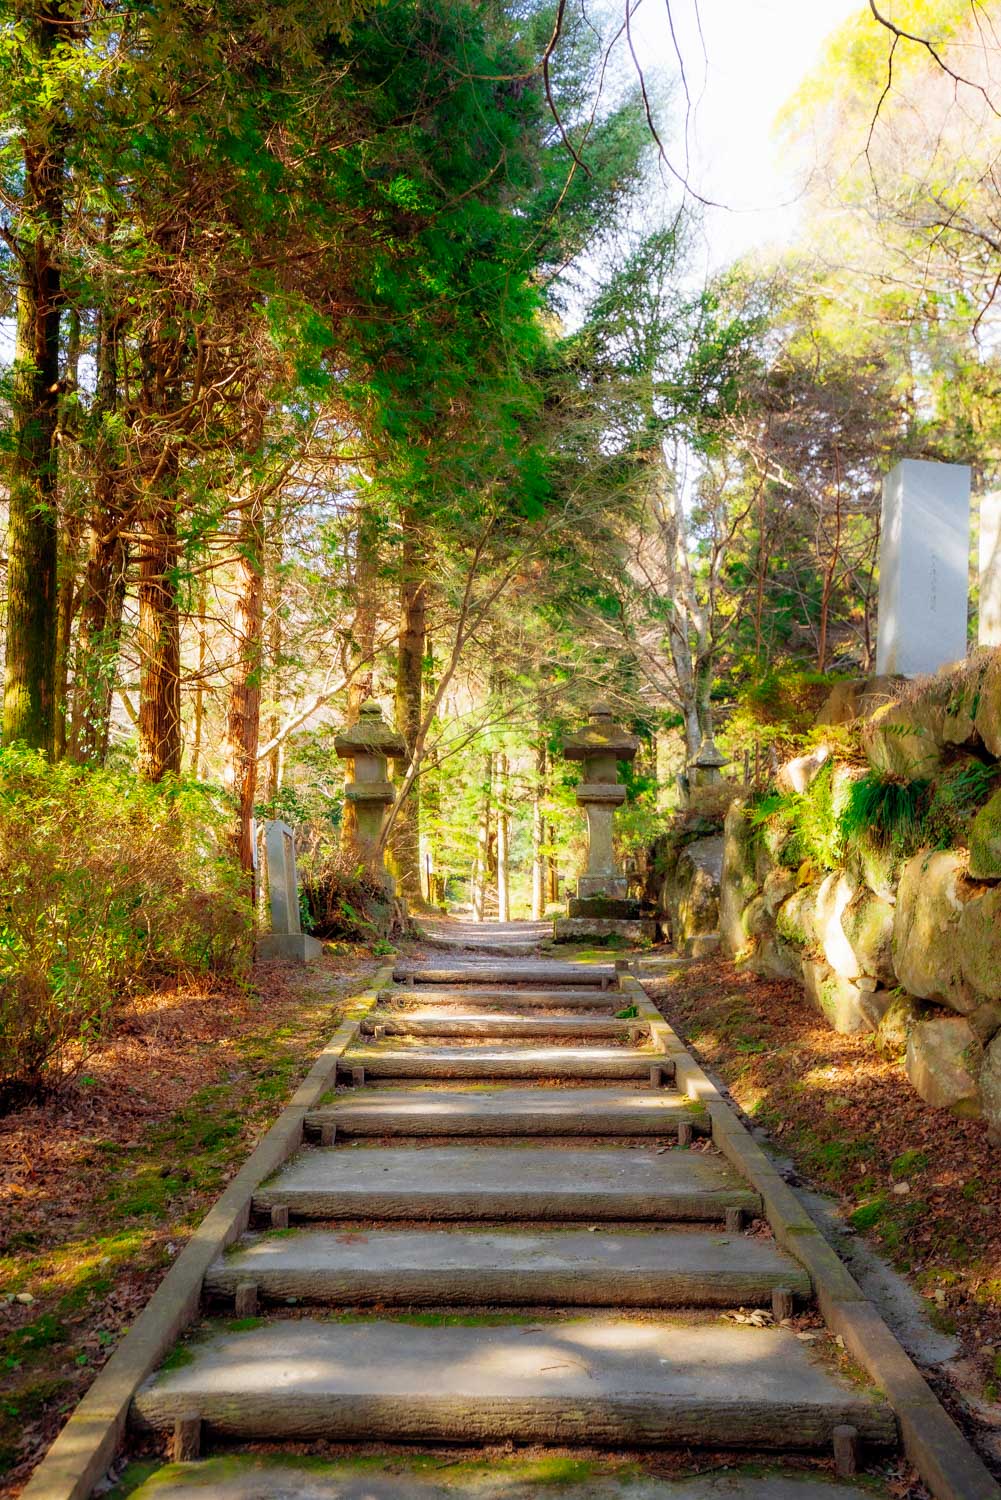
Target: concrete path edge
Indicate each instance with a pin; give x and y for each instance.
(89, 1442)
(934, 1444)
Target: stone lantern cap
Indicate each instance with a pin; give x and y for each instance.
(370, 736)
(709, 758)
(600, 736)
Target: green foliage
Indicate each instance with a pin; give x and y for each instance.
(789, 698)
(957, 794)
(107, 883)
(900, 816)
(885, 811)
(806, 826)
(777, 711)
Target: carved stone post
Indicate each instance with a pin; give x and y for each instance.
(365, 747)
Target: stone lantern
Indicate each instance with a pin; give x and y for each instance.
(708, 765)
(366, 746)
(600, 745)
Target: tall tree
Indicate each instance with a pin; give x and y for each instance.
(34, 58)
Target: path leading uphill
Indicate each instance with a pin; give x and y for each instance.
(522, 1216)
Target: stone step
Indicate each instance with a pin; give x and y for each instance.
(508, 998)
(469, 1023)
(506, 1183)
(602, 1382)
(254, 1476)
(542, 1268)
(489, 972)
(501, 1062)
(424, 1113)
(465, 948)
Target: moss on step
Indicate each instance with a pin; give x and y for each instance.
(517, 1474)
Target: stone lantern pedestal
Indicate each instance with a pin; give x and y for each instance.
(601, 907)
(366, 747)
(707, 767)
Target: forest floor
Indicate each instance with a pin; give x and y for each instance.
(102, 1182)
(922, 1186)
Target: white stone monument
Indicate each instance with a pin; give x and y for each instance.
(286, 938)
(924, 567)
(989, 624)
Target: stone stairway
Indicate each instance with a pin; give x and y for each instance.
(502, 1143)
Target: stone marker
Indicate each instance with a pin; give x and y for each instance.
(366, 746)
(924, 562)
(286, 938)
(989, 624)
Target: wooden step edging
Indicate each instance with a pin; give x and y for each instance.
(931, 1440)
(92, 1436)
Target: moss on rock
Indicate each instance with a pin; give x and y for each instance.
(926, 945)
(985, 841)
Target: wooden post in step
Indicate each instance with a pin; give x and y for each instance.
(847, 1451)
(186, 1443)
(245, 1300)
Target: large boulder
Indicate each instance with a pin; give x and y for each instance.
(856, 697)
(778, 887)
(874, 866)
(985, 841)
(756, 920)
(848, 1007)
(774, 848)
(662, 864)
(944, 1061)
(739, 881)
(931, 898)
(990, 1090)
(901, 1016)
(833, 897)
(978, 942)
(987, 714)
(867, 922)
(795, 919)
(907, 739)
(693, 892)
(775, 959)
(796, 775)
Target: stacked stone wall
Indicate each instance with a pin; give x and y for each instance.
(908, 948)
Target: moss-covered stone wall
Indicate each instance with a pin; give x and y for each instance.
(874, 878)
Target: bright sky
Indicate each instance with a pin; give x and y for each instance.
(758, 51)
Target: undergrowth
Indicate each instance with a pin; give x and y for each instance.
(339, 896)
(108, 883)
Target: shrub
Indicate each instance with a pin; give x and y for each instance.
(340, 897)
(105, 883)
